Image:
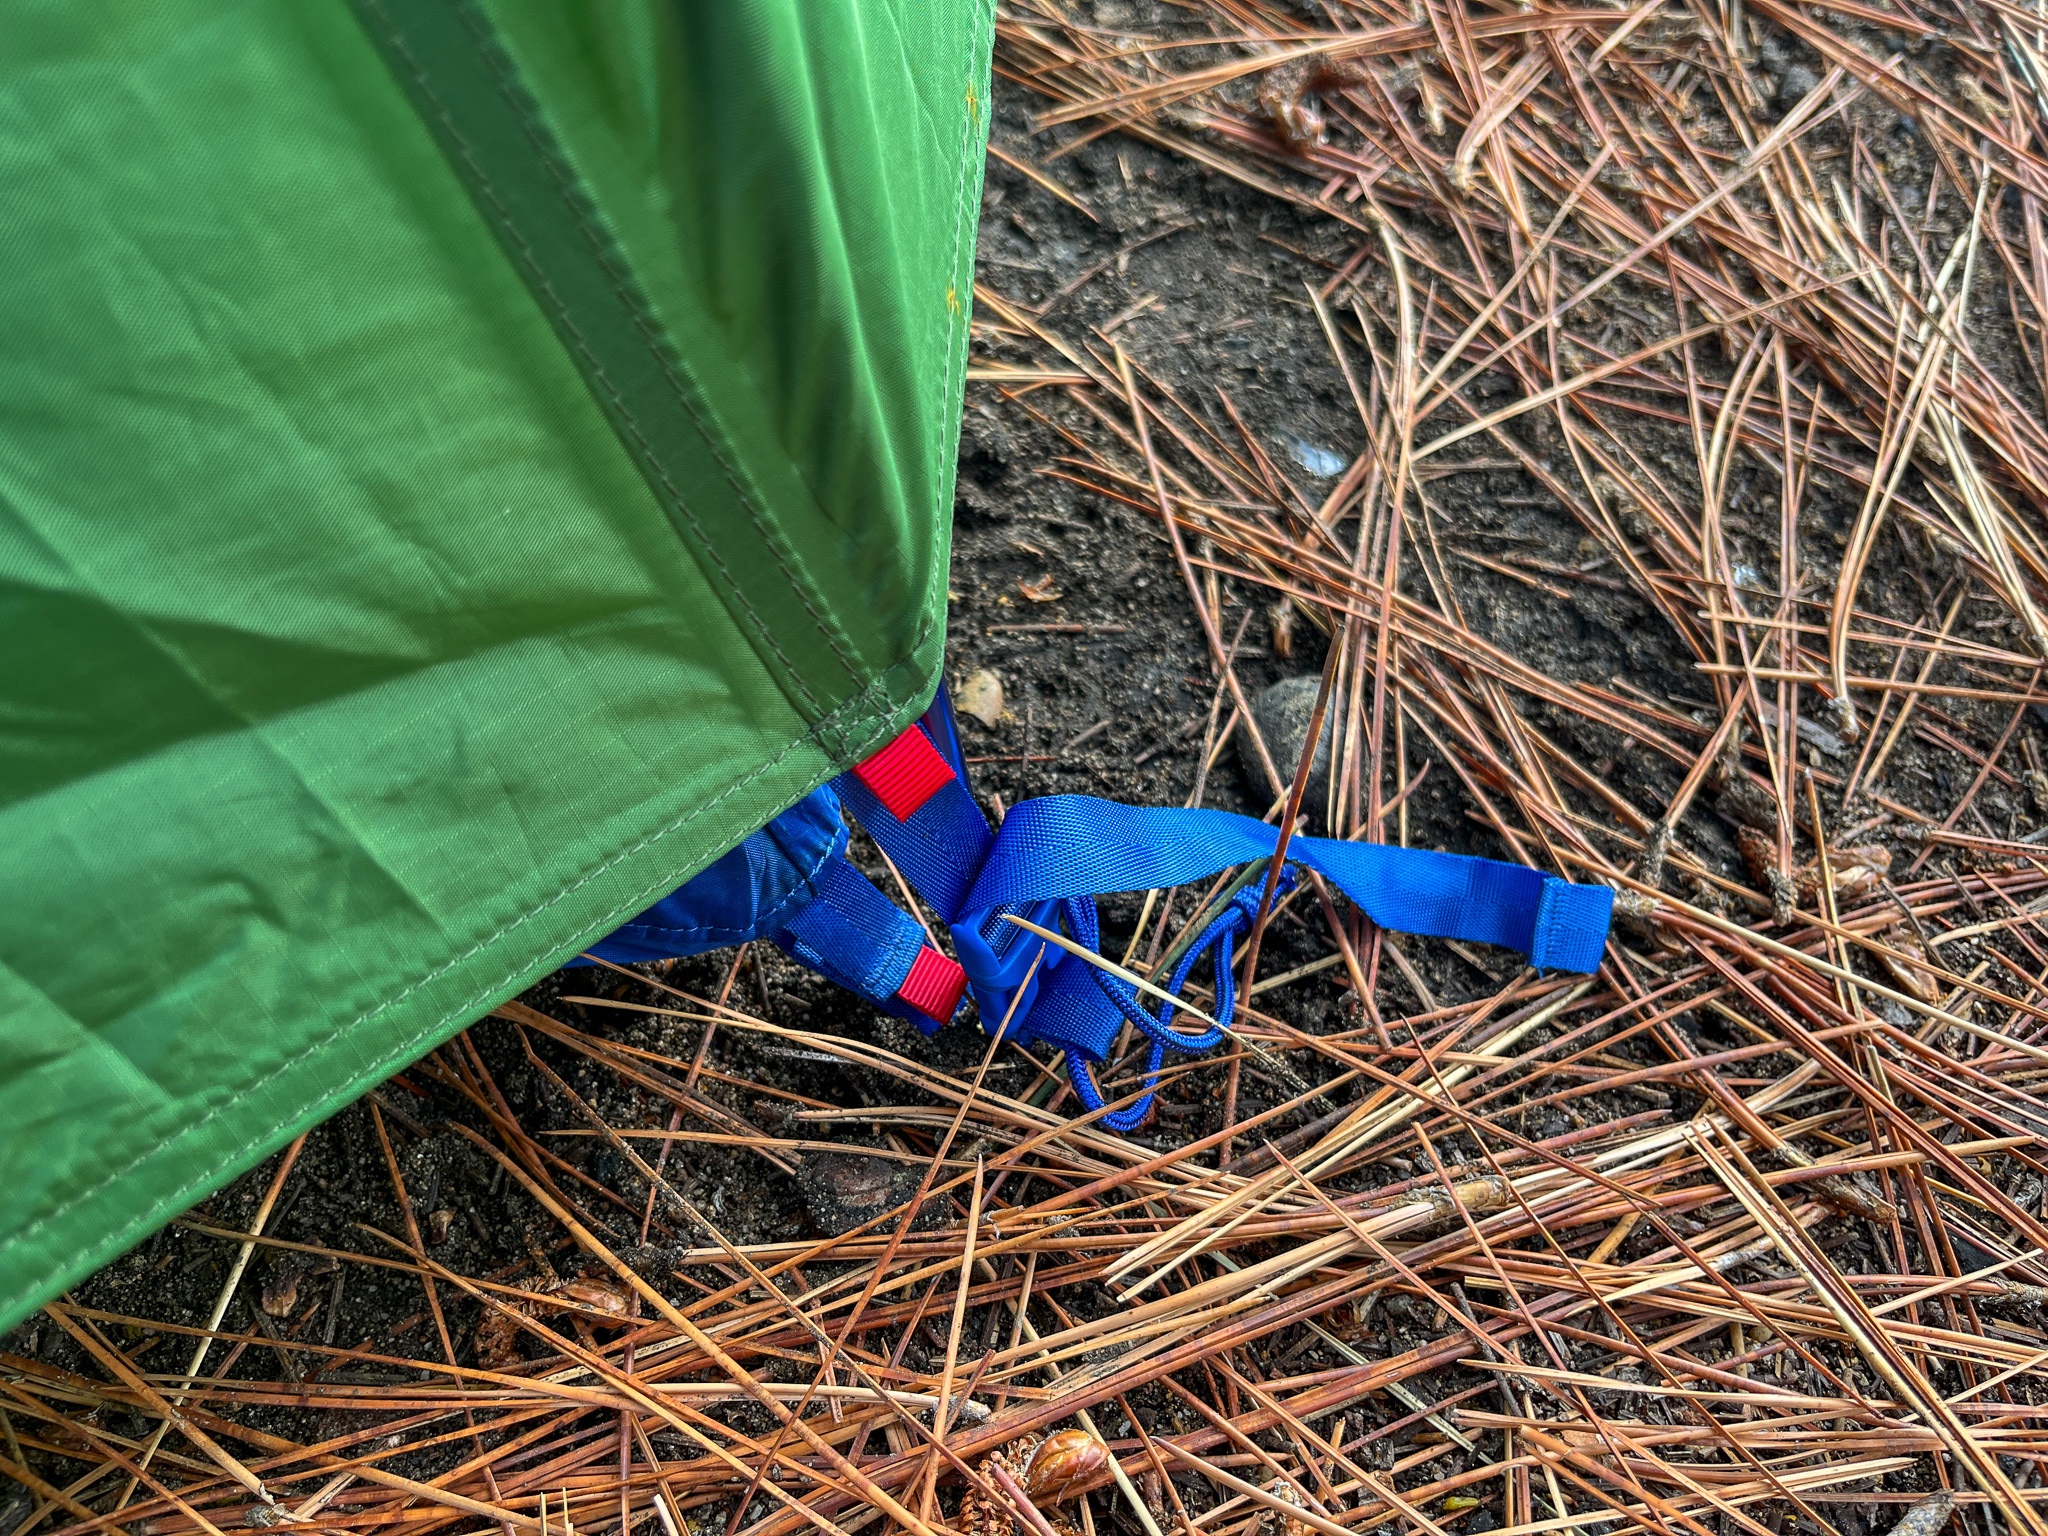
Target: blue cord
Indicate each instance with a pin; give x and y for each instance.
(1216, 941)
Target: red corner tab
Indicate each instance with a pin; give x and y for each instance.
(934, 984)
(905, 774)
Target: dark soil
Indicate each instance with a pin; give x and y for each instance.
(1233, 277)
(1207, 280)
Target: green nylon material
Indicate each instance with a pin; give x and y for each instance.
(463, 465)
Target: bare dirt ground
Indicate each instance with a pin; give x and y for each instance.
(1065, 589)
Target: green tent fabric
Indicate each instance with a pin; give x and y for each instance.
(464, 464)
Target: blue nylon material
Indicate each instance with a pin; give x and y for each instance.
(944, 730)
(1081, 1073)
(854, 935)
(792, 884)
(1069, 1011)
(937, 849)
(1053, 856)
(749, 893)
(1076, 845)
(1216, 941)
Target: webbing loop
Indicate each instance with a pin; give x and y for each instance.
(1052, 857)
(792, 883)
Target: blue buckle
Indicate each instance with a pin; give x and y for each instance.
(998, 956)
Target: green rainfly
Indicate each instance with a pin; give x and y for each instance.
(464, 464)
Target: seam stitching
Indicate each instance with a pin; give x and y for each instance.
(497, 58)
(543, 285)
(766, 923)
(828, 722)
(462, 1009)
(961, 222)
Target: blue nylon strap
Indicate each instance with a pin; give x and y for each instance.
(1081, 1073)
(854, 935)
(1076, 845)
(1081, 1008)
(939, 724)
(1052, 857)
(790, 883)
(938, 848)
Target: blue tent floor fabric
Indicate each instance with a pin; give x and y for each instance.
(792, 883)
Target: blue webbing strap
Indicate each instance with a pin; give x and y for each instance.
(1069, 1009)
(939, 724)
(792, 884)
(938, 848)
(1076, 845)
(852, 934)
(1053, 856)
(912, 797)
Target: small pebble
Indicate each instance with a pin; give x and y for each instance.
(842, 1190)
(1283, 712)
(1318, 461)
(1926, 1517)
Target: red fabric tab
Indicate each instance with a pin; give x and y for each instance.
(905, 773)
(934, 984)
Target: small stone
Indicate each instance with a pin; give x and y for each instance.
(1926, 1517)
(844, 1190)
(1282, 714)
(281, 1290)
(1317, 460)
(980, 695)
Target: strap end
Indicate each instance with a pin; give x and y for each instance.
(1570, 931)
(905, 774)
(933, 988)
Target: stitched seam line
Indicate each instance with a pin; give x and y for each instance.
(828, 724)
(404, 1050)
(497, 58)
(807, 892)
(956, 351)
(543, 285)
(800, 896)
(652, 931)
